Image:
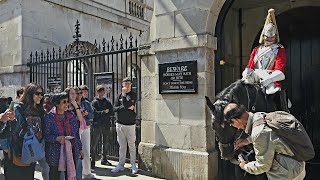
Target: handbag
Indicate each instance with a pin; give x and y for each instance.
(32, 150)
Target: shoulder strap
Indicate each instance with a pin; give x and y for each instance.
(280, 46)
(258, 119)
(258, 122)
(270, 116)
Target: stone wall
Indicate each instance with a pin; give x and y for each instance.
(177, 138)
(10, 47)
(48, 24)
(176, 128)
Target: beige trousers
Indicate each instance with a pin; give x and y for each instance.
(126, 134)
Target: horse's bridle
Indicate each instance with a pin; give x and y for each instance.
(231, 143)
(224, 102)
(225, 144)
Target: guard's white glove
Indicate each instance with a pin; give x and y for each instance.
(247, 77)
(273, 77)
(246, 73)
(248, 80)
(266, 82)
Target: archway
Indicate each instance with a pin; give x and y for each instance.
(237, 30)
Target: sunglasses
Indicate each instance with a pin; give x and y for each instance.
(79, 92)
(39, 93)
(64, 101)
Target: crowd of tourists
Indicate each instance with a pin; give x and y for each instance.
(61, 131)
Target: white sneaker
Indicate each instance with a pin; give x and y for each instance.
(89, 176)
(117, 169)
(134, 169)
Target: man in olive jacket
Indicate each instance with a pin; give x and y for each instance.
(271, 153)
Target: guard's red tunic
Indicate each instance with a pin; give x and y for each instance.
(279, 63)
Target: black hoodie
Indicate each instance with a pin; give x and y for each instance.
(101, 118)
(125, 115)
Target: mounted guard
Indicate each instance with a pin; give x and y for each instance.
(267, 63)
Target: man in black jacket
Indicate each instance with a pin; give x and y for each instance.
(103, 109)
(126, 128)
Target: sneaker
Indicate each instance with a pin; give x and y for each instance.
(89, 176)
(105, 162)
(117, 169)
(134, 169)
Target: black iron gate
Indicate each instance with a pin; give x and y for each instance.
(81, 63)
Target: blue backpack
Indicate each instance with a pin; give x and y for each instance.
(32, 150)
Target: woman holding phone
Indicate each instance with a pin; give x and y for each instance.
(84, 112)
(28, 114)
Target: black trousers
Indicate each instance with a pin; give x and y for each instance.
(13, 172)
(54, 173)
(96, 133)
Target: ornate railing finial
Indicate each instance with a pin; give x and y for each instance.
(77, 37)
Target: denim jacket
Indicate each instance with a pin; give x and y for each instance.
(86, 105)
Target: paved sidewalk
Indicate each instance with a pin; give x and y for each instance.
(104, 172)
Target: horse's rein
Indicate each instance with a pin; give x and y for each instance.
(225, 144)
(253, 108)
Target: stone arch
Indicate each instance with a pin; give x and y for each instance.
(213, 16)
(218, 5)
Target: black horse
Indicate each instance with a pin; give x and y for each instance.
(252, 97)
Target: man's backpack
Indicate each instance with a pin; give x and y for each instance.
(291, 131)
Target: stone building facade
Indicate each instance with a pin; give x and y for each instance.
(34, 25)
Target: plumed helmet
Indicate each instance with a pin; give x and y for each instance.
(270, 27)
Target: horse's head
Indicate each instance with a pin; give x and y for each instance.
(224, 132)
(251, 96)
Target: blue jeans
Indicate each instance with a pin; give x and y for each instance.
(79, 169)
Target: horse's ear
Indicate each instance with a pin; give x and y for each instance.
(209, 104)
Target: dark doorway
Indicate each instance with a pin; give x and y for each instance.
(300, 35)
(301, 38)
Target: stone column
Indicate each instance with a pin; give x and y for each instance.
(177, 141)
(12, 72)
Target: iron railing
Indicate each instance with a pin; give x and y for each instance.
(83, 63)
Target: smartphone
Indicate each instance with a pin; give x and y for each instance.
(11, 106)
(241, 157)
(69, 137)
